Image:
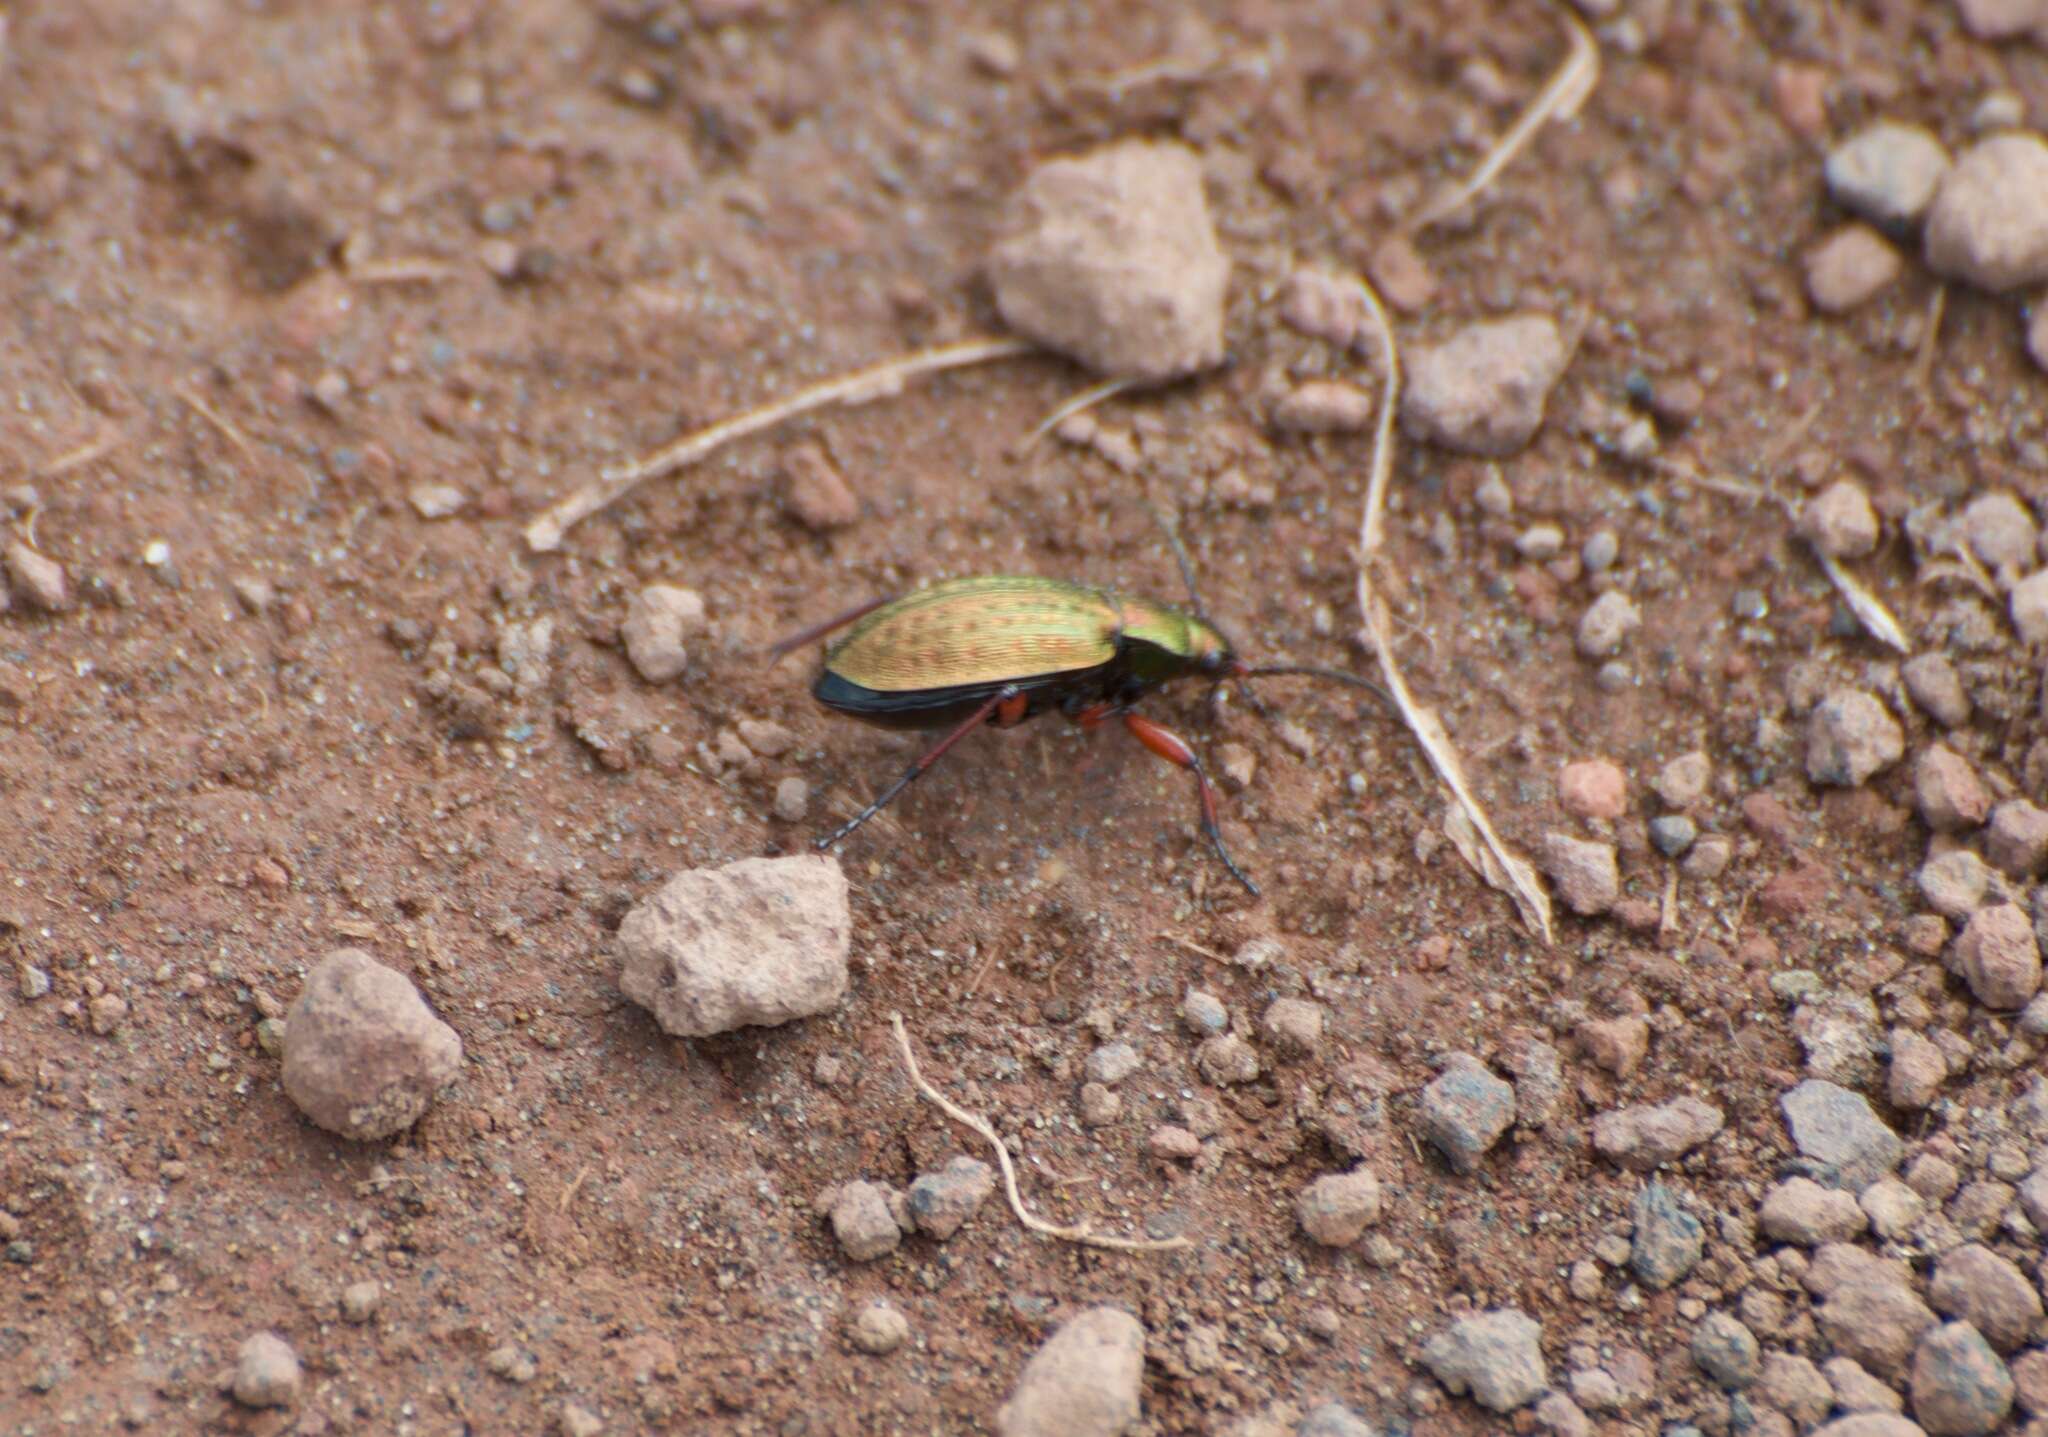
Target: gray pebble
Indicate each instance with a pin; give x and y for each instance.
(1600, 550)
(1960, 1386)
(359, 1301)
(1673, 834)
(1607, 623)
(792, 799)
(1850, 737)
(1111, 1063)
(1669, 1241)
(1586, 871)
(266, 1372)
(1203, 1012)
(941, 1202)
(1465, 1111)
(1725, 1350)
(1496, 1355)
(1841, 1133)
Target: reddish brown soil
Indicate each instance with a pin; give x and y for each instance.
(208, 208)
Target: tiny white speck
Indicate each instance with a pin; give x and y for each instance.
(156, 554)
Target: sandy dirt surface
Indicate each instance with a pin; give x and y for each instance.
(309, 308)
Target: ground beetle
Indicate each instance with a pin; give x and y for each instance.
(1000, 650)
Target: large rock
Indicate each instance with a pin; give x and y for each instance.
(1082, 1383)
(1111, 260)
(762, 941)
(363, 1054)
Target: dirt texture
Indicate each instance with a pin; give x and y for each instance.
(305, 311)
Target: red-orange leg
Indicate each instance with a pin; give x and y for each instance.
(1176, 750)
(1003, 701)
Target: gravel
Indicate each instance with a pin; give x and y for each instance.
(1673, 833)
(1999, 956)
(1887, 172)
(762, 941)
(863, 1221)
(1111, 1063)
(1946, 789)
(1587, 872)
(359, 1301)
(1483, 391)
(1917, 1070)
(1851, 737)
(1293, 1027)
(1494, 1355)
(1617, 1044)
(941, 1202)
(2016, 842)
(1973, 1284)
(1960, 1387)
(1324, 406)
(1933, 683)
(659, 621)
(1840, 1132)
(1337, 1209)
(1849, 268)
(1643, 1138)
(1606, 624)
(1726, 1350)
(1953, 882)
(1989, 222)
(879, 1328)
(364, 1055)
(1668, 1241)
(2000, 531)
(1203, 1013)
(1227, 1060)
(1803, 1212)
(1839, 521)
(1465, 1111)
(1593, 788)
(1111, 259)
(1084, 1382)
(266, 1372)
(38, 580)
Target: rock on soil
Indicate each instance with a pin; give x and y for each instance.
(1960, 1387)
(1726, 1350)
(879, 1328)
(1082, 1383)
(38, 580)
(1112, 260)
(1887, 173)
(266, 1372)
(1840, 1132)
(1483, 391)
(1872, 1316)
(1802, 1212)
(1850, 737)
(1849, 268)
(1586, 872)
(1947, 791)
(1998, 955)
(941, 1202)
(659, 622)
(761, 941)
(864, 1221)
(1465, 1111)
(363, 1053)
(1840, 521)
(1668, 1241)
(1641, 1139)
(1989, 222)
(1324, 406)
(1335, 1210)
(1973, 1284)
(1593, 788)
(1606, 624)
(1495, 1355)
(2017, 839)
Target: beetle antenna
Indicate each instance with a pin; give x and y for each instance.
(1312, 671)
(1180, 557)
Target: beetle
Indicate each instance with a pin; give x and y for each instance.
(1005, 648)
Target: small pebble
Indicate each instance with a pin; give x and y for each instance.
(359, 1301)
(1673, 834)
(1465, 1111)
(1839, 521)
(1892, 1208)
(792, 799)
(2000, 19)
(1726, 1350)
(2000, 531)
(1293, 1027)
(879, 1328)
(576, 1420)
(1483, 391)
(1973, 1284)
(1849, 268)
(1947, 791)
(1887, 172)
(2016, 840)
(1100, 1106)
(1998, 955)
(941, 1202)
(1618, 1045)
(38, 580)
(1989, 221)
(1495, 1355)
(1335, 1210)
(1174, 1143)
(2028, 605)
(1323, 306)
(658, 621)
(1842, 1133)
(1324, 406)
(1802, 1212)
(1934, 684)
(1227, 1060)
(1916, 1072)
(1709, 857)
(1493, 496)
(862, 1222)
(266, 1372)
(1111, 259)
(1593, 788)
(1600, 550)
(1644, 1138)
(1607, 622)
(1203, 1013)
(1083, 1382)
(1960, 1387)
(816, 493)
(1401, 274)
(106, 1013)
(1111, 1063)
(364, 1055)
(1540, 543)
(1587, 873)
(1850, 737)
(512, 1364)
(1954, 882)
(1668, 1241)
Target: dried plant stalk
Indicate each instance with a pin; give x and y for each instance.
(1866, 606)
(1560, 98)
(982, 1126)
(545, 533)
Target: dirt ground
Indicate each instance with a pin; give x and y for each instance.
(278, 276)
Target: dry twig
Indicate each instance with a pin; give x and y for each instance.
(96, 448)
(1087, 399)
(982, 1126)
(213, 416)
(1468, 825)
(1866, 606)
(1560, 98)
(544, 534)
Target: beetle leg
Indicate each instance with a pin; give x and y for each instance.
(1007, 694)
(1093, 715)
(1176, 750)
